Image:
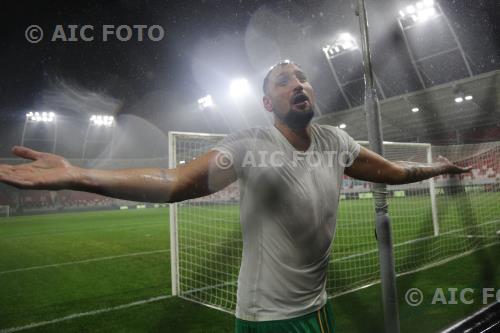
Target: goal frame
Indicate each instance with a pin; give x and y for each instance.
(174, 239)
(173, 211)
(432, 184)
(7, 210)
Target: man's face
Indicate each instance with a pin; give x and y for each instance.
(290, 96)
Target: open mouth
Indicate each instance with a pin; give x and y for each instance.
(301, 102)
(299, 99)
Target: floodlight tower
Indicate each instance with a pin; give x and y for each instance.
(415, 16)
(239, 88)
(99, 121)
(47, 118)
(344, 45)
(206, 102)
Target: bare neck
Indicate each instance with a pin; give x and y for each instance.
(299, 138)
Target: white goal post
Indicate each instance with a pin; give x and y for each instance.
(4, 211)
(178, 155)
(433, 221)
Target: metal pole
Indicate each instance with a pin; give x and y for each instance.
(55, 137)
(85, 142)
(379, 86)
(112, 142)
(432, 192)
(174, 245)
(382, 221)
(24, 131)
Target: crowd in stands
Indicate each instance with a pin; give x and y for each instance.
(50, 200)
(486, 169)
(72, 199)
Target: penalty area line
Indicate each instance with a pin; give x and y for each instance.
(32, 268)
(84, 314)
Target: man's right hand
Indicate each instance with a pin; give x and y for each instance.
(200, 177)
(47, 171)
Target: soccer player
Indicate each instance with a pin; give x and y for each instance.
(290, 177)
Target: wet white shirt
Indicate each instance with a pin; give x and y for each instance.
(288, 206)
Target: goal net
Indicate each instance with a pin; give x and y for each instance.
(4, 211)
(433, 221)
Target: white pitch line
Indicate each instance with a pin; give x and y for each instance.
(84, 314)
(83, 261)
(416, 240)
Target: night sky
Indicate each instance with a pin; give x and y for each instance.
(206, 44)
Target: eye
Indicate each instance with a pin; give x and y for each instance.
(282, 81)
(301, 77)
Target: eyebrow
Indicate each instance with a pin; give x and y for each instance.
(281, 75)
(299, 72)
(296, 72)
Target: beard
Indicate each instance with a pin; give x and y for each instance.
(298, 119)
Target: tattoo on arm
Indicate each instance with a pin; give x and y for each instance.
(415, 172)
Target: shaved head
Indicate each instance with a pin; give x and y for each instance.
(289, 95)
(282, 63)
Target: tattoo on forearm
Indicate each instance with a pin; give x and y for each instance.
(416, 172)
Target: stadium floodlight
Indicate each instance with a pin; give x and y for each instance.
(415, 109)
(44, 117)
(99, 120)
(342, 126)
(206, 102)
(418, 12)
(102, 120)
(460, 98)
(342, 43)
(411, 17)
(239, 88)
(34, 117)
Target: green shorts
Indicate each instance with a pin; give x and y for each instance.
(320, 321)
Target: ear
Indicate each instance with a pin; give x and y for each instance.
(268, 104)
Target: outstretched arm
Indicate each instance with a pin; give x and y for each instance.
(198, 178)
(372, 167)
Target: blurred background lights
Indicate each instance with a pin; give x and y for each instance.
(239, 88)
(343, 42)
(44, 117)
(102, 120)
(420, 11)
(206, 102)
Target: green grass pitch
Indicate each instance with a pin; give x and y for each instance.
(109, 271)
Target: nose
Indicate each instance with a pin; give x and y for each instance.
(297, 85)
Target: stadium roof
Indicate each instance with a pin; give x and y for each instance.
(439, 118)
